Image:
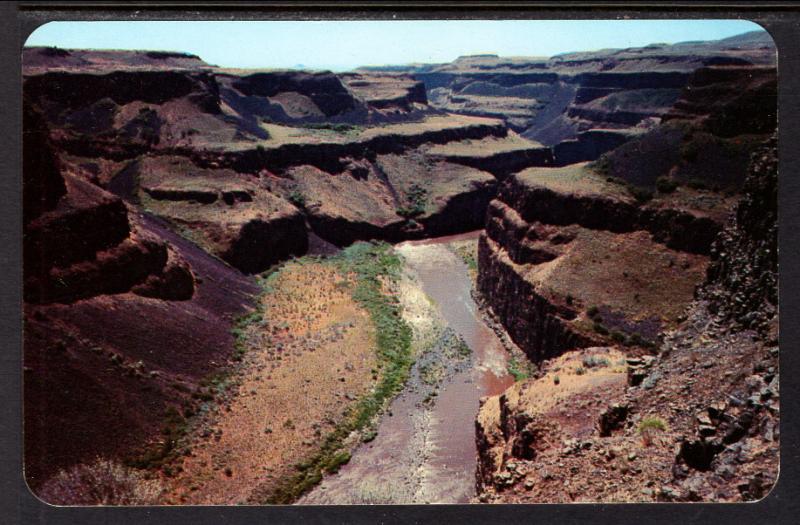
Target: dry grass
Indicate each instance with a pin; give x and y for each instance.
(485, 147)
(577, 179)
(285, 404)
(627, 273)
(103, 482)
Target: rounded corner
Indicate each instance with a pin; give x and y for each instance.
(26, 43)
(762, 499)
(33, 493)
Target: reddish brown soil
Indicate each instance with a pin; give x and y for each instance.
(101, 373)
(282, 405)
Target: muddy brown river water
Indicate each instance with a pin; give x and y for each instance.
(426, 453)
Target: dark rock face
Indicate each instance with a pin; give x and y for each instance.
(78, 241)
(76, 90)
(613, 418)
(42, 185)
(538, 328)
(102, 373)
(588, 145)
(743, 274)
(325, 89)
(335, 158)
(260, 244)
(677, 229)
(463, 212)
(504, 164)
(731, 100)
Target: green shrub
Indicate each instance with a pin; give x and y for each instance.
(515, 370)
(649, 426)
(697, 184)
(297, 198)
(641, 195)
(338, 127)
(666, 184)
(602, 166)
(593, 361)
(417, 198)
(337, 460)
(592, 312)
(600, 328)
(652, 423)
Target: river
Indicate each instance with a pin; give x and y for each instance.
(426, 453)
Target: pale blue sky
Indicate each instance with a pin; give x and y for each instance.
(342, 45)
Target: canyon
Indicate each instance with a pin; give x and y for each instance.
(498, 279)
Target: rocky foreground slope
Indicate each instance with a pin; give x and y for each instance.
(583, 104)
(695, 419)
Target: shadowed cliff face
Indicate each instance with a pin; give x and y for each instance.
(742, 283)
(78, 241)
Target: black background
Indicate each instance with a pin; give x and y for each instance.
(18, 505)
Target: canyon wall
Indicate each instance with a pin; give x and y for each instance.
(245, 163)
(696, 419)
(584, 104)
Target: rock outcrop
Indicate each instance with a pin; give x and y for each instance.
(549, 222)
(78, 241)
(695, 421)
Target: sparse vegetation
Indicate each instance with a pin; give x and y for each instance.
(617, 336)
(381, 494)
(337, 127)
(417, 198)
(649, 426)
(636, 339)
(462, 348)
(602, 166)
(641, 195)
(600, 328)
(697, 184)
(517, 371)
(593, 361)
(103, 482)
(373, 265)
(666, 184)
(297, 198)
(158, 455)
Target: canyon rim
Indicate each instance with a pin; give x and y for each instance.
(489, 279)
